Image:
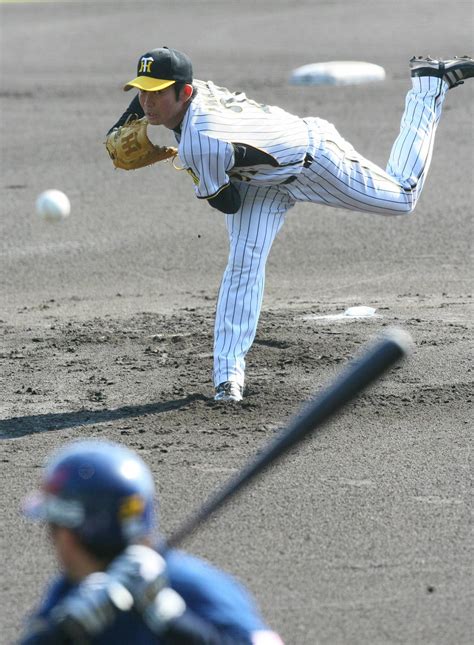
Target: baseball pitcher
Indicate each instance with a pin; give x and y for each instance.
(254, 162)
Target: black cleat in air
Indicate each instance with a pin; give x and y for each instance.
(454, 70)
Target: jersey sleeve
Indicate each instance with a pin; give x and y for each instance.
(208, 161)
(215, 596)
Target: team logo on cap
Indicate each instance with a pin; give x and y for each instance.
(145, 65)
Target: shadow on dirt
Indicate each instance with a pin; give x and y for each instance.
(21, 426)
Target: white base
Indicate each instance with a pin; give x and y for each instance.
(337, 73)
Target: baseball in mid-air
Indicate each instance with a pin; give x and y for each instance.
(53, 205)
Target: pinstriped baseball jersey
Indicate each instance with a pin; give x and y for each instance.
(218, 118)
(338, 176)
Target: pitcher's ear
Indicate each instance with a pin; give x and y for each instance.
(188, 91)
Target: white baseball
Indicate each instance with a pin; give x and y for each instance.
(53, 205)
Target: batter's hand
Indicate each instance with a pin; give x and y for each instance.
(130, 148)
(142, 571)
(91, 608)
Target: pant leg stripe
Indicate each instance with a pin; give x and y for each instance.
(262, 258)
(221, 343)
(356, 203)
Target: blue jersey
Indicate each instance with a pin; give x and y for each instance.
(210, 593)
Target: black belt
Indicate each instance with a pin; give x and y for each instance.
(308, 160)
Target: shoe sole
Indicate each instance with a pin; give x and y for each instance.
(454, 72)
(227, 398)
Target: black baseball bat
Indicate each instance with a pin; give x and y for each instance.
(356, 377)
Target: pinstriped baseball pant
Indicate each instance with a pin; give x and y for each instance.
(338, 177)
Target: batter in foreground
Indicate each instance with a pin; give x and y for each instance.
(253, 162)
(98, 501)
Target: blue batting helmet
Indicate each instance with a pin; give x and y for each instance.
(100, 490)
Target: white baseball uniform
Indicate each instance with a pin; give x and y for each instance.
(304, 160)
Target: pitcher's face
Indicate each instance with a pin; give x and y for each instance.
(163, 108)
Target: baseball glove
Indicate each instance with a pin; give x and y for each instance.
(130, 148)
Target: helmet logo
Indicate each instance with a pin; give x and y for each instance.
(131, 507)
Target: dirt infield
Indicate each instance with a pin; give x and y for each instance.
(362, 534)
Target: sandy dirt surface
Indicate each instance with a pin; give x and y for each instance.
(362, 534)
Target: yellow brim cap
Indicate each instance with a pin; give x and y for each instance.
(147, 83)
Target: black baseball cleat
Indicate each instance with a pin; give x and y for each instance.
(454, 70)
(229, 391)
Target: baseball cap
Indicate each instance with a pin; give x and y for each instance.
(160, 68)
